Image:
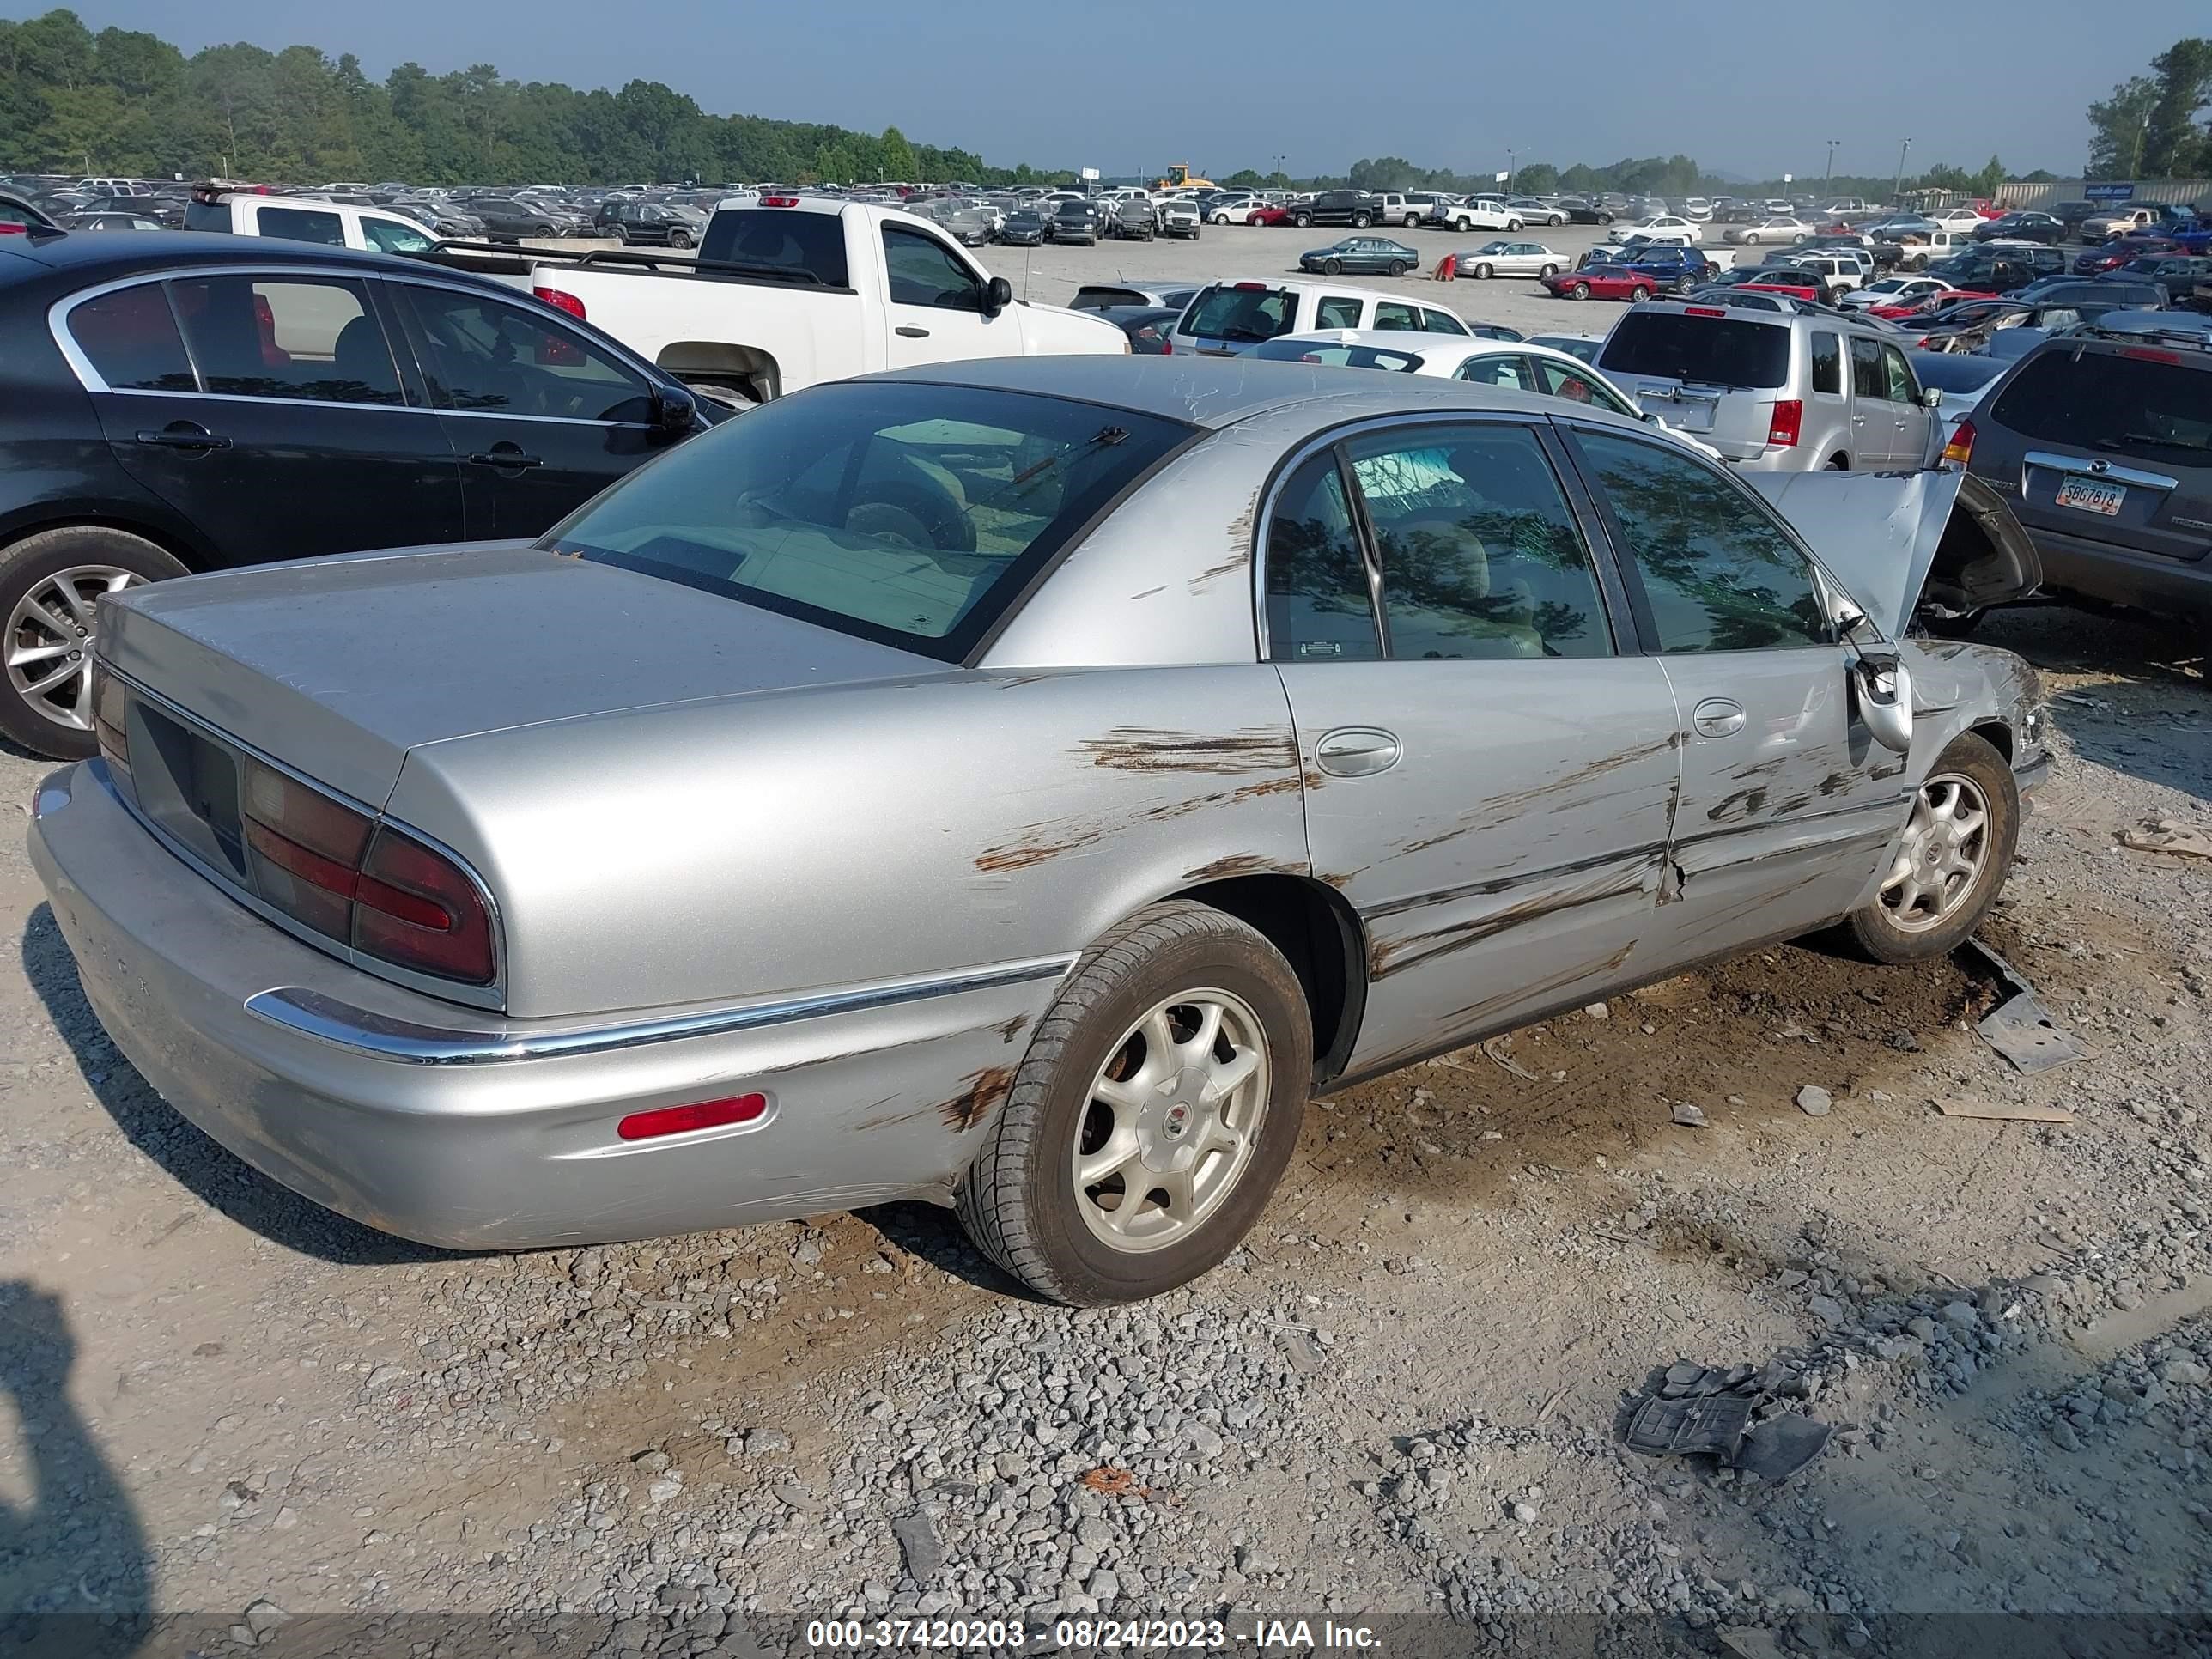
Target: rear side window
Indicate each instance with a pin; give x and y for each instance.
(1390, 315)
(1867, 380)
(1716, 350)
(1319, 606)
(1337, 313)
(782, 239)
(1228, 311)
(1827, 361)
(286, 338)
(1443, 322)
(2112, 402)
(207, 215)
(130, 339)
(301, 225)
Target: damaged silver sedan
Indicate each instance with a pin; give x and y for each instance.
(1015, 785)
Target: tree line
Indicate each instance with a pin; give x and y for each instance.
(2148, 128)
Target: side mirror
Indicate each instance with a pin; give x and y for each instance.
(998, 294)
(1931, 398)
(1884, 685)
(675, 412)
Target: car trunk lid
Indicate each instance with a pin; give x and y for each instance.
(338, 668)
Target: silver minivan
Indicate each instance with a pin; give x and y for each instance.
(1789, 389)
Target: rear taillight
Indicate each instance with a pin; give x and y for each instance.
(561, 301)
(779, 201)
(9, 228)
(1961, 449)
(2145, 355)
(1787, 422)
(361, 883)
(1709, 311)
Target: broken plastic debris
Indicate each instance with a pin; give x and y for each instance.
(1694, 1409)
(2172, 835)
(1782, 1445)
(2019, 1028)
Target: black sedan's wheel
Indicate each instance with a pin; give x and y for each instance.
(1331, 267)
(1153, 1114)
(1951, 861)
(50, 587)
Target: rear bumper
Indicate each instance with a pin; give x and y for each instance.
(2119, 575)
(496, 1136)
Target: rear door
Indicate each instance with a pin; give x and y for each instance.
(2107, 444)
(287, 430)
(1489, 780)
(1875, 435)
(541, 418)
(1788, 805)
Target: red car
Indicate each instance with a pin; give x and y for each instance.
(1926, 303)
(1270, 215)
(1602, 283)
(1782, 282)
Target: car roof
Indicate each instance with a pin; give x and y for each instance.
(1213, 393)
(120, 252)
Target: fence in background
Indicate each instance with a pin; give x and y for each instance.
(2179, 192)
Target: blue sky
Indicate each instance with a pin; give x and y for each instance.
(1746, 85)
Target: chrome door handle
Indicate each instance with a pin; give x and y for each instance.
(1356, 751)
(505, 455)
(183, 434)
(913, 333)
(1717, 717)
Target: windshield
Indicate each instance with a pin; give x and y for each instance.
(1719, 351)
(1237, 312)
(1341, 357)
(908, 514)
(2113, 402)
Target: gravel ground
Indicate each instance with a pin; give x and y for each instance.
(233, 1411)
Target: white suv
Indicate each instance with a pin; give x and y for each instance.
(306, 219)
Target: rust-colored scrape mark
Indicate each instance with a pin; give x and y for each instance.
(1149, 749)
(1048, 840)
(1474, 1013)
(1879, 772)
(1013, 1027)
(1504, 808)
(1239, 864)
(1395, 956)
(1213, 572)
(978, 1099)
(1020, 854)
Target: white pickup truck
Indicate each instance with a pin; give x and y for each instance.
(790, 291)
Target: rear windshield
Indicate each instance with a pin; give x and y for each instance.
(803, 244)
(1718, 350)
(1341, 357)
(2115, 402)
(207, 215)
(911, 515)
(1251, 313)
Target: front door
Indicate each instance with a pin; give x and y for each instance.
(285, 431)
(541, 417)
(934, 305)
(1788, 805)
(1488, 782)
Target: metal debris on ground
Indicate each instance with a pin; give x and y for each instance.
(2019, 1027)
(1490, 1052)
(1735, 1415)
(2173, 835)
(2012, 1111)
(1686, 1114)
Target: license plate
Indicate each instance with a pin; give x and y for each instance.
(2088, 497)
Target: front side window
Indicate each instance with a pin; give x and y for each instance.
(1504, 369)
(302, 225)
(130, 339)
(1897, 377)
(1718, 571)
(1319, 606)
(922, 271)
(279, 337)
(908, 514)
(1479, 554)
(1443, 322)
(1557, 380)
(484, 355)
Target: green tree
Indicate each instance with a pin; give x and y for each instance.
(898, 161)
(2170, 138)
(2119, 127)
(1538, 177)
(1985, 182)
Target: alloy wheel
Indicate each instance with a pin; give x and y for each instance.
(1173, 1120)
(1939, 861)
(49, 641)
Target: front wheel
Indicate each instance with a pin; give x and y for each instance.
(1952, 860)
(1751, 240)
(1556, 220)
(1512, 224)
(1331, 267)
(1578, 290)
(1153, 1116)
(1638, 295)
(51, 584)
(1485, 272)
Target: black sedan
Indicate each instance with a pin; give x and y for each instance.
(179, 402)
(1582, 211)
(1147, 326)
(1076, 222)
(1374, 256)
(1025, 228)
(2023, 227)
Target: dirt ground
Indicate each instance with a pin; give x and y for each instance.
(220, 1397)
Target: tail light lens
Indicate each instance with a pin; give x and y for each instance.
(361, 883)
(1787, 422)
(561, 301)
(1961, 449)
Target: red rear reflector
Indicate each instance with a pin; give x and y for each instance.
(561, 301)
(9, 228)
(2145, 355)
(1707, 310)
(681, 1119)
(779, 201)
(1789, 421)
(1961, 449)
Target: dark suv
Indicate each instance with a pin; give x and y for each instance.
(1355, 208)
(1999, 270)
(2101, 442)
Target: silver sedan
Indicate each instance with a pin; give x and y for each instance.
(1509, 258)
(1018, 785)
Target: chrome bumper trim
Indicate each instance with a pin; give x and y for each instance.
(328, 1019)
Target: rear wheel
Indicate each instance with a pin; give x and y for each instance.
(1301, 219)
(1549, 271)
(50, 587)
(1399, 268)
(1361, 220)
(1952, 860)
(679, 239)
(1153, 1114)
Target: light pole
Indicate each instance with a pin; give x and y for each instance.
(1509, 153)
(1830, 172)
(1897, 186)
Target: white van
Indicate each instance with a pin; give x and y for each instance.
(1227, 317)
(306, 219)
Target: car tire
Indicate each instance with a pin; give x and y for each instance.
(1916, 264)
(86, 558)
(1331, 267)
(1399, 268)
(1636, 296)
(1750, 239)
(1548, 271)
(1578, 290)
(1361, 221)
(1556, 220)
(541, 230)
(1838, 462)
(679, 239)
(1484, 273)
(1412, 221)
(1967, 774)
(1512, 224)
(1020, 1201)
(1303, 221)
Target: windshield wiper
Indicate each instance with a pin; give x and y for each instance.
(2129, 441)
